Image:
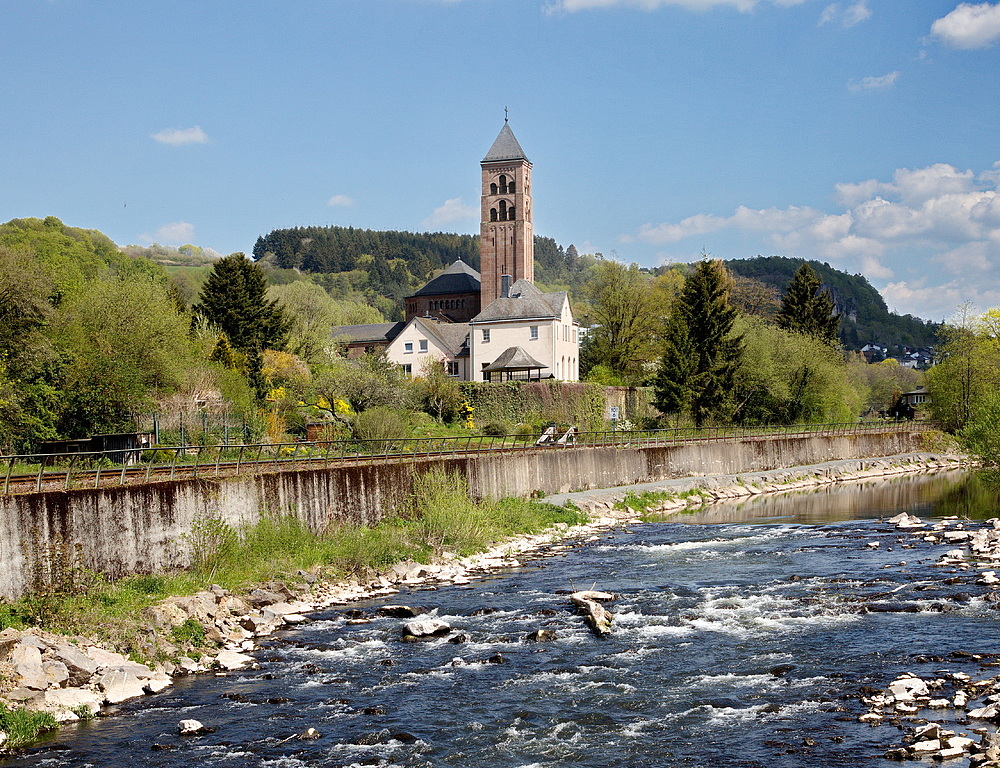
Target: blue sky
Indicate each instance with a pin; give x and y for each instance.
(858, 132)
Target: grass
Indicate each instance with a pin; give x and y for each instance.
(442, 518)
(23, 726)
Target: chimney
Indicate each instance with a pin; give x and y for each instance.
(505, 281)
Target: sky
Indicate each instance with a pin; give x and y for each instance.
(861, 133)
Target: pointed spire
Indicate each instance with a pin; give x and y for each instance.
(505, 147)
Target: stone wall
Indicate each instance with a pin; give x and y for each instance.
(145, 528)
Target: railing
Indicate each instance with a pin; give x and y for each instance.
(39, 472)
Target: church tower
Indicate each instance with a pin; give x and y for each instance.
(506, 236)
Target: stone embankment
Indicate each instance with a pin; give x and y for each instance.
(926, 705)
(73, 678)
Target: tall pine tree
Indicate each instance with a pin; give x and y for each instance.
(805, 309)
(234, 301)
(701, 356)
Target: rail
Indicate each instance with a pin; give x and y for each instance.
(96, 469)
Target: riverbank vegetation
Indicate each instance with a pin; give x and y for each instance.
(94, 339)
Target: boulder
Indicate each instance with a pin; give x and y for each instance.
(104, 658)
(593, 612)
(120, 685)
(80, 666)
(27, 663)
(401, 611)
(232, 660)
(309, 734)
(190, 727)
(904, 520)
(158, 682)
(277, 610)
(73, 698)
(989, 712)
(426, 628)
(55, 673)
(541, 636)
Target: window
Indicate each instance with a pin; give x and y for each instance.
(493, 214)
(502, 205)
(407, 369)
(453, 367)
(486, 335)
(534, 332)
(493, 189)
(423, 345)
(574, 335)
(503, 185)
(510, 187)
(510, 213)
(408, 348)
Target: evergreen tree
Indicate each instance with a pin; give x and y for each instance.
(234, 301)
(701, 357)
(805, 309)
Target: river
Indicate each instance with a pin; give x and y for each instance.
(741, 638)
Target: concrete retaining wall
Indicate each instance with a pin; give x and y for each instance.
(147, 528)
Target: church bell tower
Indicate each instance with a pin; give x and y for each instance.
(506, 235)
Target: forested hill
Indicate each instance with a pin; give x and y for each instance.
(866, 318)
(338, 249)
(385, 266)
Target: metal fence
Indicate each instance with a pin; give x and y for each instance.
(37, 472)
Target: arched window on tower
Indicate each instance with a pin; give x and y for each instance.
(503, 210)
(493, 214)
(493, 189)
(503, 185)
(510, 213)
(510, 187)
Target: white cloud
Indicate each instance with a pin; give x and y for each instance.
(340, 201)
(451, 211)
(744, 6)
(924, 221)
(174, 233)
(873, 83)
(969, 26)
(848, 16)
(177, 137)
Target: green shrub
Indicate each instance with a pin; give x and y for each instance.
(191, 631)
(495, 429)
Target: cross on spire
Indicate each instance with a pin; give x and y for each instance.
(505, 114)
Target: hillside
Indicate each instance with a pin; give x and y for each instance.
(865, 316)
(383, 267)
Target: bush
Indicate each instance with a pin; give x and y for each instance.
(381, 424)
(495, 429)
(191, 631)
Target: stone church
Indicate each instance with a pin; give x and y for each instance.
(489, 326)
